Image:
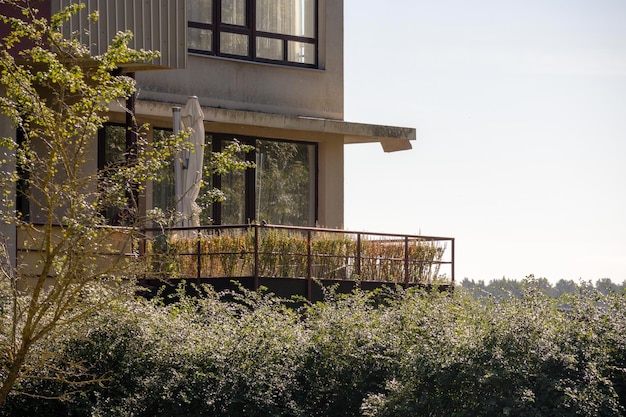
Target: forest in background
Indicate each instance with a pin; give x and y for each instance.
(505, 286)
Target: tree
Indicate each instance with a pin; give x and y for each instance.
(58, 95)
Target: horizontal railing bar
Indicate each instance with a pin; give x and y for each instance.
(372, 253)
(297, 228)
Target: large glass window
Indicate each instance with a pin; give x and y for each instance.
(280, 189)
(285, 183)
(232, 209)
(279, 31)
(164, 189)
(111, 154)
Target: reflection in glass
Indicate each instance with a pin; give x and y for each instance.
(268, 48)
(206, 197)
(114, 156)
(114, 144)
(234, 12)
(287, 17)
(200, 11)
(301, 52)
(200, 39)
(163, 190)
(285, 183)
(234, 189)
(233, 43)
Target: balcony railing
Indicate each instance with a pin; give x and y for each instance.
(261, 252)
(287, 260)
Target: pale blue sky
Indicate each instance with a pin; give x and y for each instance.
(520, 111)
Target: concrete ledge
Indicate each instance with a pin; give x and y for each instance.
(392, 138)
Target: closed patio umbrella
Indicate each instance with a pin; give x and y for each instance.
(192, 117)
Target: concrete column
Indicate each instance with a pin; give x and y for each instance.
(330, 182)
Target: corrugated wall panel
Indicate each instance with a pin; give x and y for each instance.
(156, 24)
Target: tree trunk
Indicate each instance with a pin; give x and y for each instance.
(14, 373)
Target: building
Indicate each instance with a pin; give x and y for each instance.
(266, 73)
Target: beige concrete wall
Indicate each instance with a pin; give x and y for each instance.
(243, 85)
(87, 182)
(330, 183)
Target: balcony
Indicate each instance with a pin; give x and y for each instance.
(286, 260)
(295, 260)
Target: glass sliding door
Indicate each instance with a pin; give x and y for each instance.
(281, 188)
(111, 156)
(164, 189)
(233, 188)
(285, 183)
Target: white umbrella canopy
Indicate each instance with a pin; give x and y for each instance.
(192, 117)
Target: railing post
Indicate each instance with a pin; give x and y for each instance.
(199, 258)
(143, 254)
(452, 254)
(256, 256)
(309, 286)
(406, 262)
(358, 255)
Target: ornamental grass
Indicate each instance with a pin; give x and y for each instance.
(284, 253)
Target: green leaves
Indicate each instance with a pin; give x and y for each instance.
(386, 353)
(57, 96)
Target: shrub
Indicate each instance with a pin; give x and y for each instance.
(383, 353)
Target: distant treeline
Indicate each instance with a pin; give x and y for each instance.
(507, 287)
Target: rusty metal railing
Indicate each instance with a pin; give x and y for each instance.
(272, 251)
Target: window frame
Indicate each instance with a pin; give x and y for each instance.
(250, 175)
(217, 143)
(249, 30)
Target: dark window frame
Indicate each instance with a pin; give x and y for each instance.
(217, 28)
(22, 203)
(112, 215)
(218, 141)
(250, 175)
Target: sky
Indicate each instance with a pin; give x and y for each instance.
(520, 114)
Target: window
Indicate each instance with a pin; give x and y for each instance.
(281, 189)
(111, 154)
(164, 190)
(285, 183)
(275, 31)
(22, 205)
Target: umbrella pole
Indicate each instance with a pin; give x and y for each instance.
(178, 168)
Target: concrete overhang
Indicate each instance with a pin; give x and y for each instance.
(217, 120)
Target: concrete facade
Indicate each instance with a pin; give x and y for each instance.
(241, 85)
(255, 99)
(276, 102)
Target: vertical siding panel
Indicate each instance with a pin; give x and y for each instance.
(165, 30)
(147, 24)
(156, 24)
